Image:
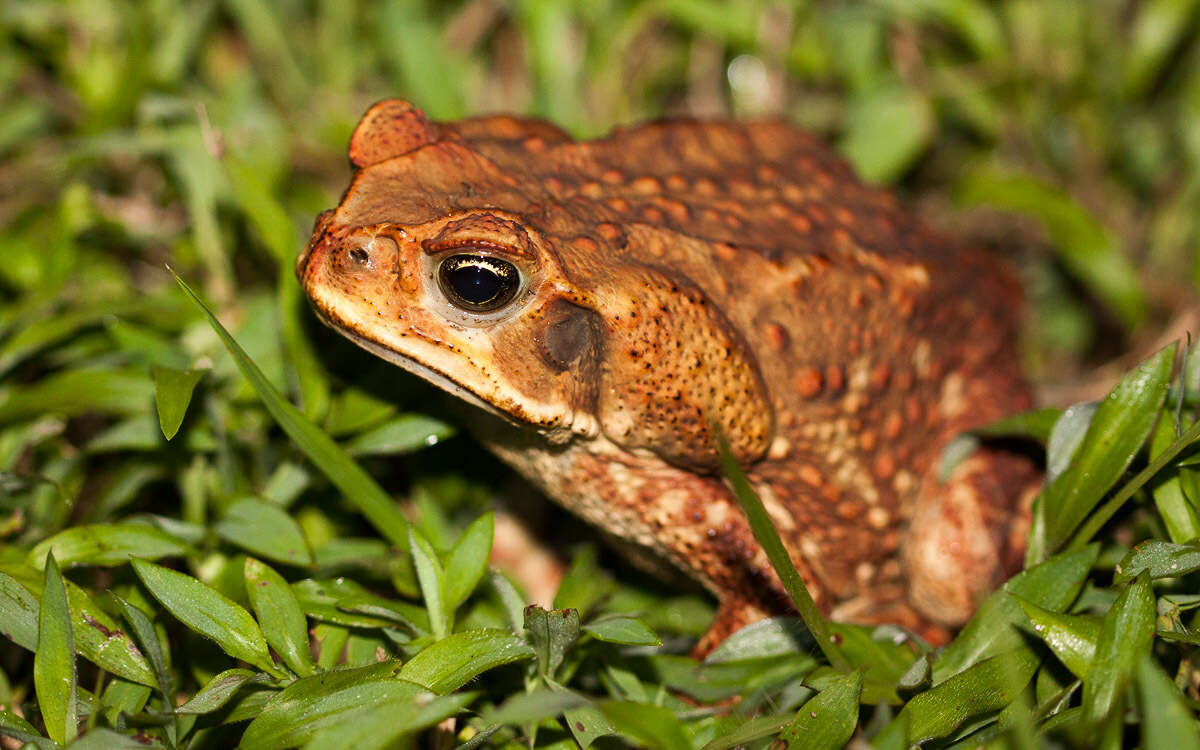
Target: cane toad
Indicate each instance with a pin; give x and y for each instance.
(608, 304)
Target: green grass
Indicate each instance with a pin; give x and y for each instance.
(311, 542)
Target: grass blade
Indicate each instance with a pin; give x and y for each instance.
(768, 538)
(359, 489)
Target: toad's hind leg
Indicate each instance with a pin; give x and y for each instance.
(967, 534)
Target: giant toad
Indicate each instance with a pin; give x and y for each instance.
(609, 304)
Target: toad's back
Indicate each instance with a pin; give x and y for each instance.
(682, 275)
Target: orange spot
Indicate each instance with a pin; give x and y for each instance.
(884, 466)
(810, 475)
(677, 210)
(534, 144)
(612, 176)
(809, 382)
(677, 183)
(777, 336)
(652, 214)
(892, 424)
(619, 205)
(880, 375)
(608, 230)
(848, 510)
(592, 190)
(646, 185)
(834, 378)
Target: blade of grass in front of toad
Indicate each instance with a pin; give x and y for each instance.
(768, 538)
(355, 484)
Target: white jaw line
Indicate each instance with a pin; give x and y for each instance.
(578, 424)
(424, 372)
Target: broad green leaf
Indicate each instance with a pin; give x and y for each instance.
(19, 612)
(102, 738)
(624, 630)
(107, 545)
(312, 703)
(525, 708)
(339, 601)
(279, 615)
(20, 729)
(987, 686)
(355, 484)
(330, 641)
(1072, 638)
(450, 663)
(828, 719)
(878, 656)
(467, 560)
(1125, 637)
(54, 675)
(652, 726)
(509, 599)
(1160, 559)
(172, 394)
(382, 725)
(403, 434)
(208, 612)
(1053, 584)
(122, 696)
(1178, 514)
(148, 641)
(433, 584)
(97, 636)
(1036, 424)
(551, 633)
(584, 584)
(774, 636)
(1066, 435)
(749, 731)
(217, 692)
(1168, 722)
(264, 529)
(1116, 434)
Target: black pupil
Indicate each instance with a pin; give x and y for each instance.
(478, 282)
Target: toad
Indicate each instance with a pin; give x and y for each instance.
(608, 307)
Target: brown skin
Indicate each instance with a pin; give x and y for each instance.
(681, 275)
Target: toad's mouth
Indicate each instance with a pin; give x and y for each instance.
(427, 373)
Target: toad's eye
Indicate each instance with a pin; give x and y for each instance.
(478, 283)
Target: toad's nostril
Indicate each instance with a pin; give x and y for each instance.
(360, 255)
